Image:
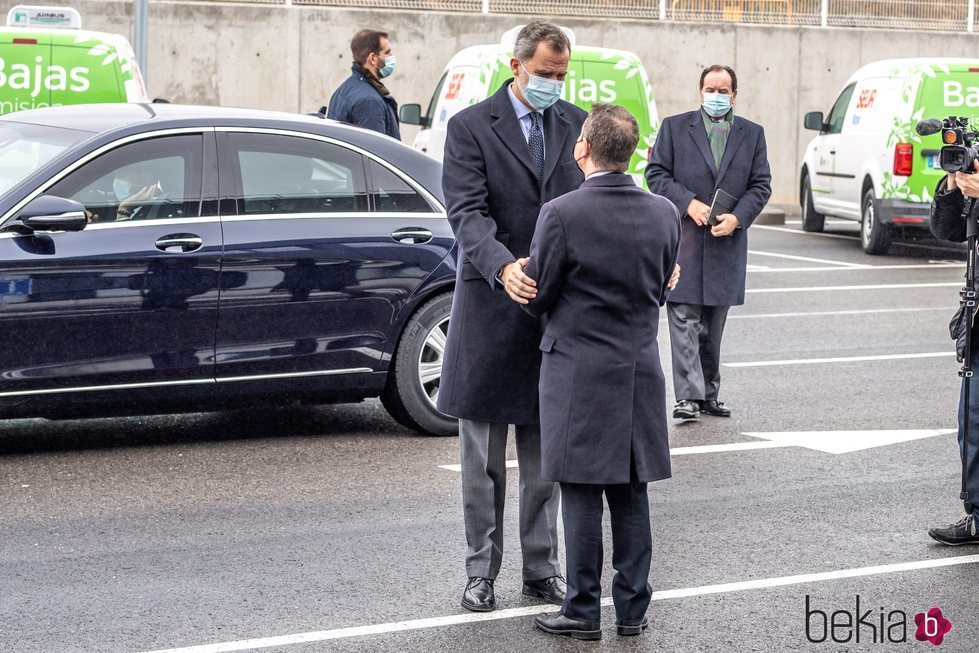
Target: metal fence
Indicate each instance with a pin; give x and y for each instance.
(947, 15)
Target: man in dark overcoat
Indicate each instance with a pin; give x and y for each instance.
(695, 154)
(603, 257)
(504, 157)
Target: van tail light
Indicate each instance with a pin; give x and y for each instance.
(903, 157)
(25, 41)
(649, 155)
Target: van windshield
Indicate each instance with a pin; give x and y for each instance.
(24, 148)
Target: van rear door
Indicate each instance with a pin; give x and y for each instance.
(84, 70)
(25, 57)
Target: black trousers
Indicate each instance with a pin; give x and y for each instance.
(632, 547)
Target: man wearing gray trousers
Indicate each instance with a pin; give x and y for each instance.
(504, 158)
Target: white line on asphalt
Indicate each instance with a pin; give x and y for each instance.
(809, 260)
(803, 233)
(457, 619)
(916, 266)
(886, 286)
(850, 359)
(868, 311)
(679, 451)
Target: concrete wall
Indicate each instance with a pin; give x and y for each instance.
(290, 58)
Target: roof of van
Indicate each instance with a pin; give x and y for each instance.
(901, 67)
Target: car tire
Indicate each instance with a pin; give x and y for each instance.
(875, 236)
(413, 380)
(811, 220)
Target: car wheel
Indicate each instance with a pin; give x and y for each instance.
(411, 393)
(811, 221)
(875, 236)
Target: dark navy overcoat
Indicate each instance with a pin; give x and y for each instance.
(493, 195)
(682, 168)
(602, 257)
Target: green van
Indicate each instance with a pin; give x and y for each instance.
(594, 75)
(46, 59)
(867, 163)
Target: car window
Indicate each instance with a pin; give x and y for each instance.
(433, 104)
(392, 194)
(152, 179)
(24, 148)
(836, 116)
(289, 175)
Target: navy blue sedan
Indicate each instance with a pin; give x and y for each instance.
(159, 258)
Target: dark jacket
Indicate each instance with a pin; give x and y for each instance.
(493, 196)
(602, 257)
(948, 223)
(682, 168)
(357, 102)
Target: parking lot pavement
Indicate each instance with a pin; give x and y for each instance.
(328, 529)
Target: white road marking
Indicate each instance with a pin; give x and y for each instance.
(803, 233)
(512, 613)
(808, 259)
(868, 311)
(885, 286)
(914, 266)
(850, 359)
(840, 442)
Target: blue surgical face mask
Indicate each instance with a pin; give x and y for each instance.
(122, 188)
(387, 68)
(541, 92)
(717, 104)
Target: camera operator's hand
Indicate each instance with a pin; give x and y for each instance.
(967, 183)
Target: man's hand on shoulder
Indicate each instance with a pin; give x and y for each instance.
(726, 224)
(698, 212)
(518, 285)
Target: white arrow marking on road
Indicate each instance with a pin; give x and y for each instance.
(839, 442)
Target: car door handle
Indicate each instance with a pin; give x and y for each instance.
(412, 235)
(174, 243)
(832, 151)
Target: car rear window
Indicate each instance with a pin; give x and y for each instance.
(25, 147)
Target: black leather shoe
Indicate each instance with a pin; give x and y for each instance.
(632, 627)
(558, 624)
(479, 596)
(715, 408)
(686, 409)
(961, 532)
(550, 589)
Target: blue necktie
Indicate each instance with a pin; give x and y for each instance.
(536, 142)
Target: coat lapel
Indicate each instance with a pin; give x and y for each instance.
(508, 129)
(699, 135)
(556, 132)
(734, 140)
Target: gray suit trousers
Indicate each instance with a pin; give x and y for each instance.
(695, 344)
(482, 447)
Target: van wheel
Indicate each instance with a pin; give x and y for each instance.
(875, 236)
(412, 387)
(811, 221)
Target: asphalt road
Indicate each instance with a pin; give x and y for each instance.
(325, 529)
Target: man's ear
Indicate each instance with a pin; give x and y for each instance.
(515, 67)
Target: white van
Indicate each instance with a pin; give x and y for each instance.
(868, 163)
(594, 75)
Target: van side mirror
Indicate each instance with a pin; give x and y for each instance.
(52, 213)
(814, 121)
(411, 114)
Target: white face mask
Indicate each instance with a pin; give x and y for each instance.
(541, 92)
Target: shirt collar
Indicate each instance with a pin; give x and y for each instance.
(599, 173)
(519, 107)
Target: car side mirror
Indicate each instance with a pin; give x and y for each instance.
(52, 213)
(411, 114)
(814, 121)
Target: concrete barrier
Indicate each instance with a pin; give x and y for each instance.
(290, 58)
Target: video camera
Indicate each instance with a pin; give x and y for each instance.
(958, 150)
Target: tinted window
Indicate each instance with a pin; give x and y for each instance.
(288, 174)
(158, 178)
(838, 113)
(392, 194)
(24, 148)
(433, 104)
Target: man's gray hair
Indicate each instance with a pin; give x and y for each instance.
(613, 134)
(535, 32)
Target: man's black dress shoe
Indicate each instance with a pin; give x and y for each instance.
(632, 627)
(558, 624)
(961, 532)
(686, 409)
(715, 408)
(550, 589)
(479, 596)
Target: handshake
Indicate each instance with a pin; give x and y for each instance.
(522, 288)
